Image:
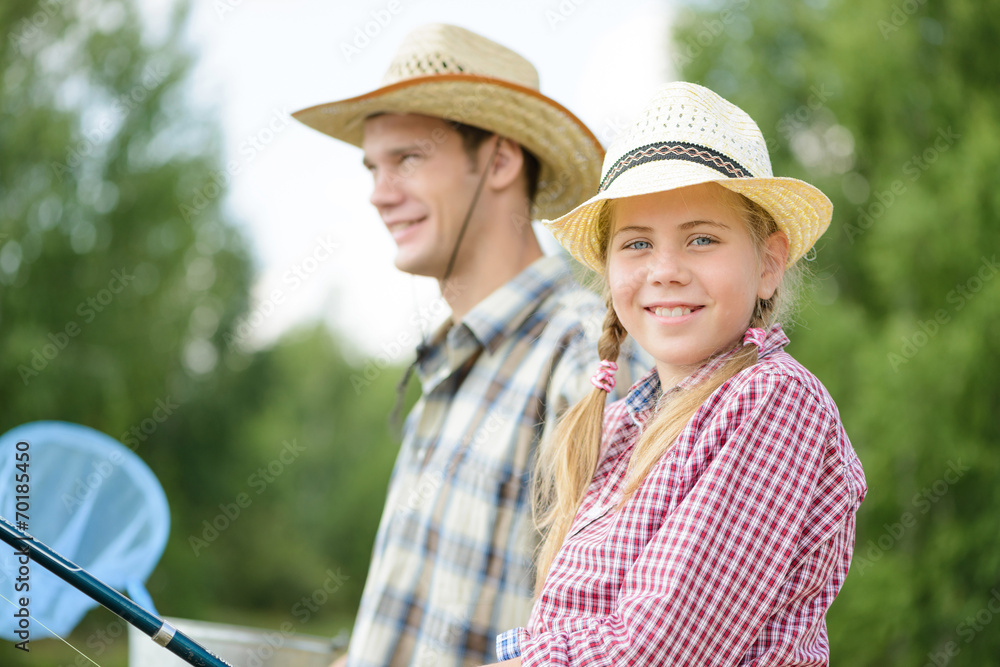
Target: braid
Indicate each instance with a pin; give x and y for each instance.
(566, 467)
(610, 343)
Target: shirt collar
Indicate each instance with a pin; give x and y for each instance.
(645, 395)
(493, 320)
(503, 312)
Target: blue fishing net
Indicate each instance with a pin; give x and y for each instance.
(90, 499)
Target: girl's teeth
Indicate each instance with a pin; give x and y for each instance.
(672, 312)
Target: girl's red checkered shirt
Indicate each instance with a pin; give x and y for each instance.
(732, 549)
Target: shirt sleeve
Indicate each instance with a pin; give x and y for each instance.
(509, 644)
(703, 587)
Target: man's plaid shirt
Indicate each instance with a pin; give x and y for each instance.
(731, 550)
(453, 559)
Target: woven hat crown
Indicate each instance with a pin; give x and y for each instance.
(446, 49)
(684, 113)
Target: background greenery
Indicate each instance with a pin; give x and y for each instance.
(100, 163)
(889, 107)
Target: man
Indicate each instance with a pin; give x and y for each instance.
(463, 150)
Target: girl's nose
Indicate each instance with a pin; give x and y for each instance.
(666, 266)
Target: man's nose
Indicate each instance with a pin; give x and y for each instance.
(385, 190)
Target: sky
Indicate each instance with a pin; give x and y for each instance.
(322, 253)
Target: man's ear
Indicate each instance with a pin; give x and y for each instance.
(773, 264)
(507, 164)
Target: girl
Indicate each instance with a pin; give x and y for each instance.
(711, 520)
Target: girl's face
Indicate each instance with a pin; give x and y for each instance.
(685, 275)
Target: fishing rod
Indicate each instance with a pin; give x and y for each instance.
(159, 630)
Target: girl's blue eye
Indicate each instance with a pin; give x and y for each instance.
(703, 241)
(638, 245)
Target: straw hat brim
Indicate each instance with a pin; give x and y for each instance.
(800, 210)
(569, 154)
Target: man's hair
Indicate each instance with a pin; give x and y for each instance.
(473, 137)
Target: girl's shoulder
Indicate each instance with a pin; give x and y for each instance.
(780, 373)
(780, 390)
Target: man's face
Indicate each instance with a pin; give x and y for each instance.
(423, 184)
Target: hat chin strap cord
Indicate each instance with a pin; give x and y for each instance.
(422, 347)
(468, 214)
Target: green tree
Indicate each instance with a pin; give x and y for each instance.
(110, 296)
(312, 464)
(123, 288)
(890, 108)
(113, 297)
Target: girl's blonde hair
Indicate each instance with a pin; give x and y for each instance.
(567, 464)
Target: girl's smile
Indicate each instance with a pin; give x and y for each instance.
(685, 274)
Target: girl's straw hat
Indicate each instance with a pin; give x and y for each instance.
(688, 135)
(452, 73)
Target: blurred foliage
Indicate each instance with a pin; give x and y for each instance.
(890, 107)
(121, 287)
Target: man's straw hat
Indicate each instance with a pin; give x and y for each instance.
(688, 135)
(452, 73)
